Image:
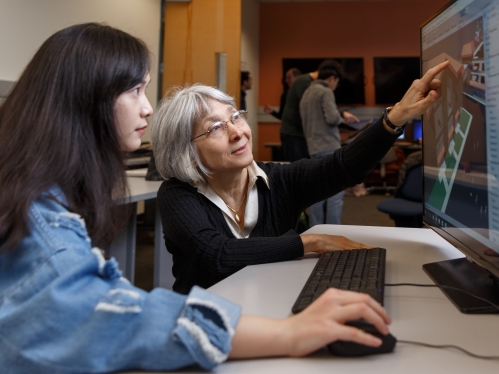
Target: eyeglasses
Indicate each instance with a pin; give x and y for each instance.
(218, 129)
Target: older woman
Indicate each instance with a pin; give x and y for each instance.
(221, 210)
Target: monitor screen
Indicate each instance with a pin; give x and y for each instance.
(351, 88)
(461, 139)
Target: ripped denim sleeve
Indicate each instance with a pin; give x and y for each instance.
(206, 326)
(200, 326)
(118, 300)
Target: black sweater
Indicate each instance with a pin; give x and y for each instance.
(203, 247)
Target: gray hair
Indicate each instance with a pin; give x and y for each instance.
(172, 130)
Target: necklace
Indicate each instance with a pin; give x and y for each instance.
(236, 216)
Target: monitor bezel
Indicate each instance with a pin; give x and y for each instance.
(462, 246)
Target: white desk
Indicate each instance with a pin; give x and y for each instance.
(419, 314)
(123, 247)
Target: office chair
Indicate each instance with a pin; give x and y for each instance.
(406, 207)
(384, 173)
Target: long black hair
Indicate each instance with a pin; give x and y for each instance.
(57, 127)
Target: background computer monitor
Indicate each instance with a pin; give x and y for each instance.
(392, 76)
(461, 148)
(351, 88)
(417, 130)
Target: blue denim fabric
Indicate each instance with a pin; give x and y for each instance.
(64, 309)
(327, 211)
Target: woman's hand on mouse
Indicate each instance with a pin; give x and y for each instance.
(321, 243)
(321, 323)
(324, 321)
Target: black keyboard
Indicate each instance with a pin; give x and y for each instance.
(360, 270)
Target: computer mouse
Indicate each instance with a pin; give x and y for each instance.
(350, 349)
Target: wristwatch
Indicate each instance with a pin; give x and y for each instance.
(397, 129)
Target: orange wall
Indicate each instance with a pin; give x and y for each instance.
(334, 29)
(337, 29)
(194, 33)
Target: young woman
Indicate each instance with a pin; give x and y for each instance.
(63, 308)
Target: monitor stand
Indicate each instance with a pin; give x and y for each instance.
(464, 274)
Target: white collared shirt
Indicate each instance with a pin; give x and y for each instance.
(251, 212)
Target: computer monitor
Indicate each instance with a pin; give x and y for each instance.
(417, 130)
(351, 88)
(461, 149)
(392, 76)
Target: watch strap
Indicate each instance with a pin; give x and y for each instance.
(397, 129)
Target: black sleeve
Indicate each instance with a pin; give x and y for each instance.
(282, 104)
(312, 180)
(278, 114)
(196, 227)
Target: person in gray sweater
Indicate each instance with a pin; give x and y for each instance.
(320, 119)
(292, 138)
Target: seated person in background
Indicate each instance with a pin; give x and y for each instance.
(320, 119)
(63, 307)
(221, 211)
(413, 159)
(291, 75)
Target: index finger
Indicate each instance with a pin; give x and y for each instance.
(377, 315)
(434, 71)
(344, 297)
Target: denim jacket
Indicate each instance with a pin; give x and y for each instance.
(64, 309)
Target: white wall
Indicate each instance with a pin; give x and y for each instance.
(26, 24)
(249, 59)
